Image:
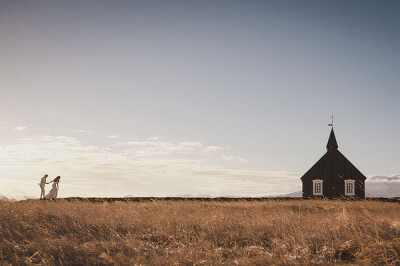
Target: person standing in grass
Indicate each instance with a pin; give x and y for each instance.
(42, 185)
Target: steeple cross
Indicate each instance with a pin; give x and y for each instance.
(331, 124)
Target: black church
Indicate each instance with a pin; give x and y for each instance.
(333, 176)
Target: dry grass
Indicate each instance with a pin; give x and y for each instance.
(197, 233)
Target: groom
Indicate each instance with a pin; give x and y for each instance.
(42, 185)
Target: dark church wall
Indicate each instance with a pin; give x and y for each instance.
(333, 168)
(333, 189)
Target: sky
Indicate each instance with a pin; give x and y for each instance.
(202, 98)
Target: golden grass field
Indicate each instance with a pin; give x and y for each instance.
(199, 233)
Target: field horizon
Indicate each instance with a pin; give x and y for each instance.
(205, 199)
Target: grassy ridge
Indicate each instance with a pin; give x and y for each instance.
(195, 232)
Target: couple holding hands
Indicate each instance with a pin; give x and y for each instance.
(54, 189)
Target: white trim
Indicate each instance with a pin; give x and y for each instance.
(318, 188)
(349, 187)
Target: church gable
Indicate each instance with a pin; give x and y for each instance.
(335, 174)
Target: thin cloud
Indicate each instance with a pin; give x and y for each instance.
(212, 148)
(234, 159)
(384, 178)
(113, 136)
(84, 131)
(19, 128)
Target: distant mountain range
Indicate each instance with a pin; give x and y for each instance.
(382, 188)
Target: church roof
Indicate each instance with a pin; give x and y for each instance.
(333, 163)
(332, 143)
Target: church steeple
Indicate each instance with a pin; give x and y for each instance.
(332, 144)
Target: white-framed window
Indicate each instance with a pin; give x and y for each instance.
(317, 187)
(349, 187)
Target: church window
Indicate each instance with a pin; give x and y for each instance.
(349, 187)
(317, 187)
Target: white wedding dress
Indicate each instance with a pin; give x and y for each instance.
(54, 191)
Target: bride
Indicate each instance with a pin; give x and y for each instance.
(54, 189)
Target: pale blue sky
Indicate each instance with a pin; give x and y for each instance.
(256, 79)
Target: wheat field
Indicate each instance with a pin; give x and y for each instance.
(199, 233)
